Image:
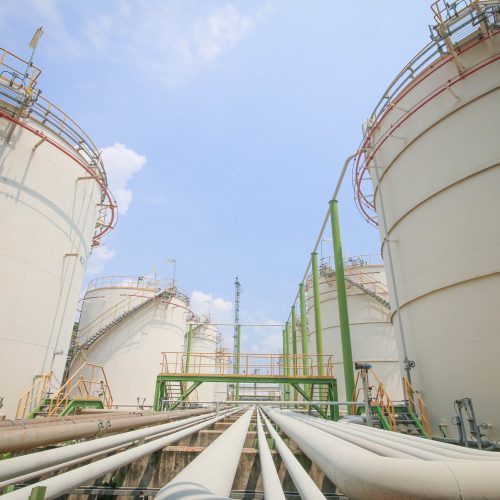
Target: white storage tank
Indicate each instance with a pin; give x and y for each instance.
(54, 206)
(126, 323)
(205, 341)
(372, 335)
(433, 156)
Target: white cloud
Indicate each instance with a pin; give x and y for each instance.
(220, 32)
(261, 339)
(220, 309)
(121, 163)
(256, 339)
(100, 255)
(166, 42)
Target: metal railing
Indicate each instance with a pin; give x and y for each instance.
(128, 282)
(358, 275)
(140, 283)
(250, 364)
(109, 316)
(33, 397)
(89, 382)
(456, 24)
(380, 398)
(19, 98)
(417, 406)
(354, 261)
(13, 75)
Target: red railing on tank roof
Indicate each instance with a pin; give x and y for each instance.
(454, 25)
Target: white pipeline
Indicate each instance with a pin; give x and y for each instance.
(301, 479)
(211, 474)
(361, 474)
(273, 490)
(58, 485)
(36, 464)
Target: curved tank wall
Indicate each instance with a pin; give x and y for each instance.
(439, 183)
(109, 296)
(148, 321)
(204, 341)
(372, 335)
(49, 197)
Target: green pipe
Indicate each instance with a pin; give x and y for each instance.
(189, 346)
(283, 366)
(303, 328)
(317, 313)
(345, 333)
(294, 340)
(286, 359)
(238, 346)
(294, 347)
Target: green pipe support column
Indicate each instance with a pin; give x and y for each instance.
(286, 359)
(189, 347)
(238, 346)
(188, 357)
(283, 362)
(345, 333)
(294, 340)
(294, 347)
(303, 333)
(303, 328)
(317, 313)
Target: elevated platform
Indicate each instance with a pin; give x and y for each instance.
(182, 373)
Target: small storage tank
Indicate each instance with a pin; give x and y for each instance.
(433, 156)
(372, 335)
(54, 206)
(126, 323)
(204, 343)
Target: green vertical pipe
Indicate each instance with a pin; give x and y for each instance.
(303, 328)
(287, 359)
(294, 348)
(283, 362)
(317, 313)
(189, 347)
(294, 340)
(238, 346)
(345, 333)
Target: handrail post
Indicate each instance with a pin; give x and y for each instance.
(317, 312)
(345, 333)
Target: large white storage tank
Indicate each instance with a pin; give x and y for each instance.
(433, 155)
(372, 335)
(126, 323)
(54, 205)
(205, 341)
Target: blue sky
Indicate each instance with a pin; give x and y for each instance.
(224, 125)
